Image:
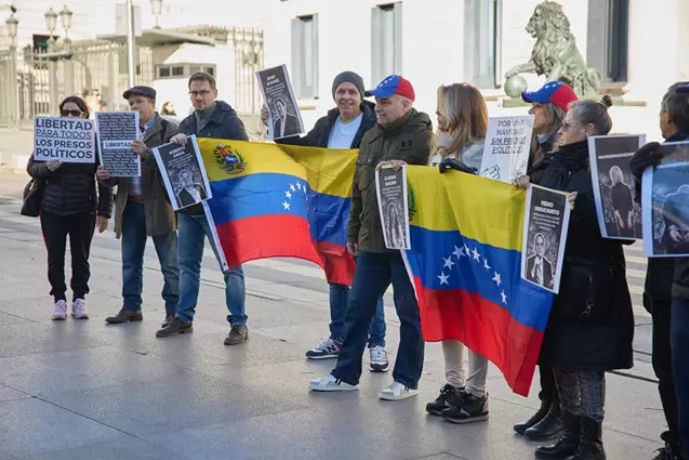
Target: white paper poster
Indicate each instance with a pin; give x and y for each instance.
(546, 223)
(507, 147)
(619, 214)
(393, 205)
(284, 116)
(70, 140)
(116, 132)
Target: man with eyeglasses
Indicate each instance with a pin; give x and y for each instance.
(143, 209)
(211, 119)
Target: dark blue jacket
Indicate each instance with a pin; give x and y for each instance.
(319, 135)
(223, 124)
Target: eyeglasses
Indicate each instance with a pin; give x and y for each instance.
(203, 93)
(74, 113)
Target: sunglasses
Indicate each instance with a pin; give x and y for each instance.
(74, 113)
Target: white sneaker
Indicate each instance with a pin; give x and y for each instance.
(330, 383)
(379, 359)
(396, 391)
(79, 309)
(60, 311)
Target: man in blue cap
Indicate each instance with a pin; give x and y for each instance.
(401, 135)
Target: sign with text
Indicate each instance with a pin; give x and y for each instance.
(393, 205)
(116, 132)
(506, 151)
(70, 140)
(284, 119)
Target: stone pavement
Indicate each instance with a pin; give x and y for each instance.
(83, 390)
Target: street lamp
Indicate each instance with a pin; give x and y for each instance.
(66, 19)
(51, 21)
(12, 24)
(157, 9)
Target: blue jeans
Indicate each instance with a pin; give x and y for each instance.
(339, 295)
(133, 247)
(680, 365)
(374, 273)
(193, 230)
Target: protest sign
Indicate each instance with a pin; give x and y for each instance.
(393, 205)
(665, 203)
(284, 116)
(507, 146)
(70, 140)
(184, 173)
(619, 215)
(116, 132)
(546, 222)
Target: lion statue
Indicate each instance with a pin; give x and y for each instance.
(555, 52)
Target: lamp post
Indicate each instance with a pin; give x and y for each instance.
(66, 20)
(12, 26)
(157, 9)
(130, 41)
(51, 21)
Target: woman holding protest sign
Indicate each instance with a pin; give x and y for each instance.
(70, 207)
(462, 125)
(591, 326)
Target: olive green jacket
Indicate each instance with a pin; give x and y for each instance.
(408, 139)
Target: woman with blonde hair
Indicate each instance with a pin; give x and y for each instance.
(462, 125)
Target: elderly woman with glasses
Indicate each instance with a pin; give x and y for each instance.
(73, 205)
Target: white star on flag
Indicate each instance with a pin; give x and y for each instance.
(497, 279)
(476, 254)
(286, 205)
(288, 194)
(291, 186)
(466, 249)
(504, 297)
(443, 278)
(459, 252)
(298, 185)
(448, 263)
(485, 264)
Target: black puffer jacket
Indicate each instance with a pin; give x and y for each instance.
(320, 134)
(71, 189)
(602, 338)
(539, 157)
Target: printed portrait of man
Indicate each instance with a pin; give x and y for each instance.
(622, 203)
(285, 124)
(189, 191)
(538, 269)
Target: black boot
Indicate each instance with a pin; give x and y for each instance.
(568, 443)
(520, 428)
(549, 427)
(591, 445)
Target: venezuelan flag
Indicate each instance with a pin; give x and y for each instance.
(281, 201)
(465, 257)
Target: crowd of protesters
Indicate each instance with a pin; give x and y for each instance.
(575, 355)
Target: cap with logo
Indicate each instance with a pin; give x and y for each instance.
(145, 91)
(394, 84)
(554, 92)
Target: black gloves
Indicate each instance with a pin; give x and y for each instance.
(451, 163)
(646, 156)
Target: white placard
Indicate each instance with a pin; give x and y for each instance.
(116, 132)
(507, 147)
(284, 118)
(393, 206)
(70, 140)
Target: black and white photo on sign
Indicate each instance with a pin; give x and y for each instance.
(184, 173)
(507, 147)
(619, 213)
(70, 140)
(116, 132)
(393, 205)
(284, 118)
(665, 203)
(546, 223)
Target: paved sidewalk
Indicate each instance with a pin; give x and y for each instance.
(83, 390)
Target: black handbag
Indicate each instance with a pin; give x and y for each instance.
(585, 291)
(33, 195)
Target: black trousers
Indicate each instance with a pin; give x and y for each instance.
(548, 394)
(662, 364)
(80, 230)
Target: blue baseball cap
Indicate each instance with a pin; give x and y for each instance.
(553, 92)
(394, 84)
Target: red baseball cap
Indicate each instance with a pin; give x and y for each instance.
(394, 84)
(553, 92)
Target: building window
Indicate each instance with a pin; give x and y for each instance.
(618, 36)
(386, 37)
(608, 38)
(482, 42)
(305, 57)
(183, 70)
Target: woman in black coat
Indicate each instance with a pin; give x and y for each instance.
(70, 207)
(591, 326)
